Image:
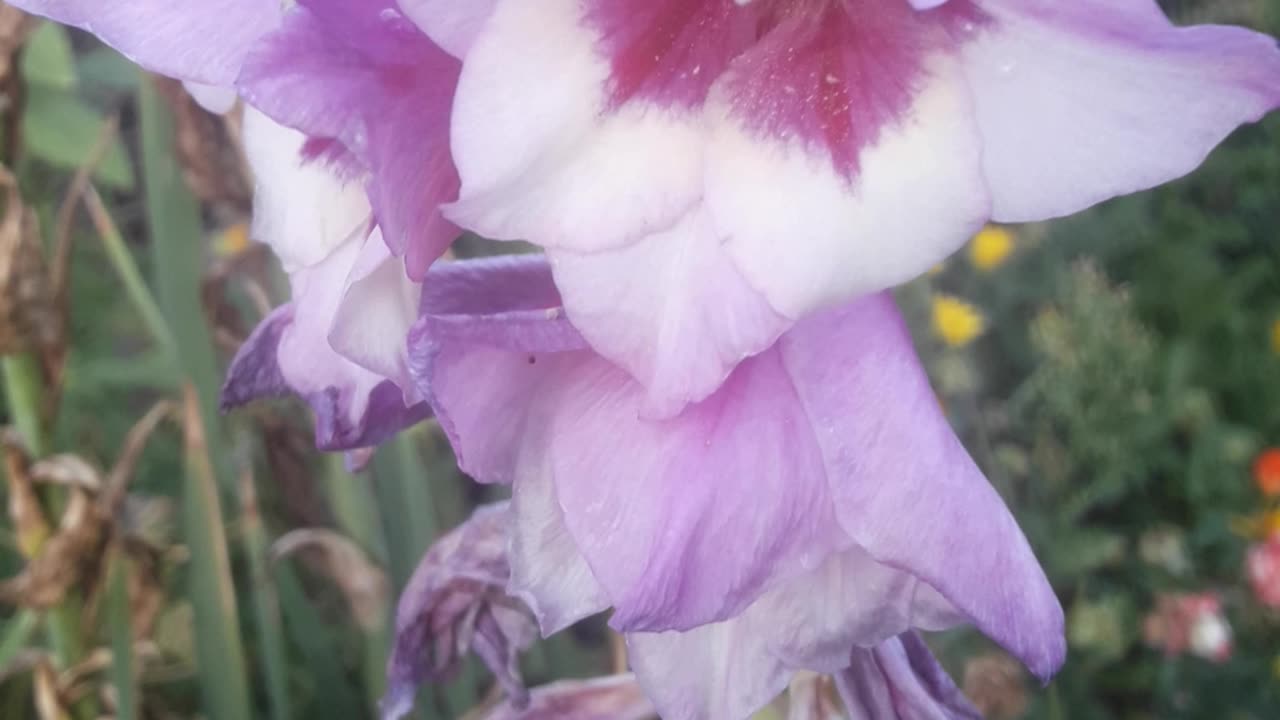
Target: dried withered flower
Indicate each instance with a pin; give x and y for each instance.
(455, 603)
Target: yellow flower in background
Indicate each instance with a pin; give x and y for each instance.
(956, 321)
(990, 248)
(231, 241)
(1275, 337)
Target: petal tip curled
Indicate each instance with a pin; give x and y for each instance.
(255, 372)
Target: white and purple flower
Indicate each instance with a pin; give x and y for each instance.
(706, 173)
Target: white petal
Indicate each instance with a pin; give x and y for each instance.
(808, 237)
(671, 309)
(540, 155)
(1079, 102)
(303, 210)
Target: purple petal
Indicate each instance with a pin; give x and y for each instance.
(733, 668)
(686, 521)
(453, 25)
(900, 680)
(548, 571)
(904, 487)
(203, 41)
(671, 309)
(486, 337)
(610, 698)
(291, 351)
(365, 76)
(1081, 101)
(254, 373)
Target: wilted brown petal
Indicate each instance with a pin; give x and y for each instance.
(996, 683)
(456, 602)
(618, 697)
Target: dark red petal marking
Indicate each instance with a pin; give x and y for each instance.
(670, 51)
(837, 73)
(834, 73)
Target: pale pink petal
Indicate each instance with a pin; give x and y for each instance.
(490, 335)
(452, 24)
(365, 77)
(380, 304)
(353, 401)
(733, 668)
(1081, 101)
(671, 309)
(541, 159)
(905, 488)
(489, 332)
(654, 504)
(548, 571)
(721, 671)
(204, 41)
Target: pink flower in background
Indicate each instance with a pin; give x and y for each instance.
(818, 502)
(1263, 567)
(704, 173)
(1189, 623)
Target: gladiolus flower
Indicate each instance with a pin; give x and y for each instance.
(816, 503)
(705, 173)
(991, 247)
(1266, 471)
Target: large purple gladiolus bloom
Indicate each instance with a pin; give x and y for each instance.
(816, 503)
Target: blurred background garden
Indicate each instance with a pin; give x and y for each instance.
(1117, 374)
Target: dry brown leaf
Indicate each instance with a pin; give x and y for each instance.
(30, 525)
(30, 318)
(212, 164)
(50, 704)
(362, 582)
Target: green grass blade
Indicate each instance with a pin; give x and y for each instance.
(120, 627)
(266, 602)
(126, 269)
(173, 216)
(219, 648)
(352, 502)
(18, 631)
(354, 507)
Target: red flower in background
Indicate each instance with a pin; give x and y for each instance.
(1266, 471)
